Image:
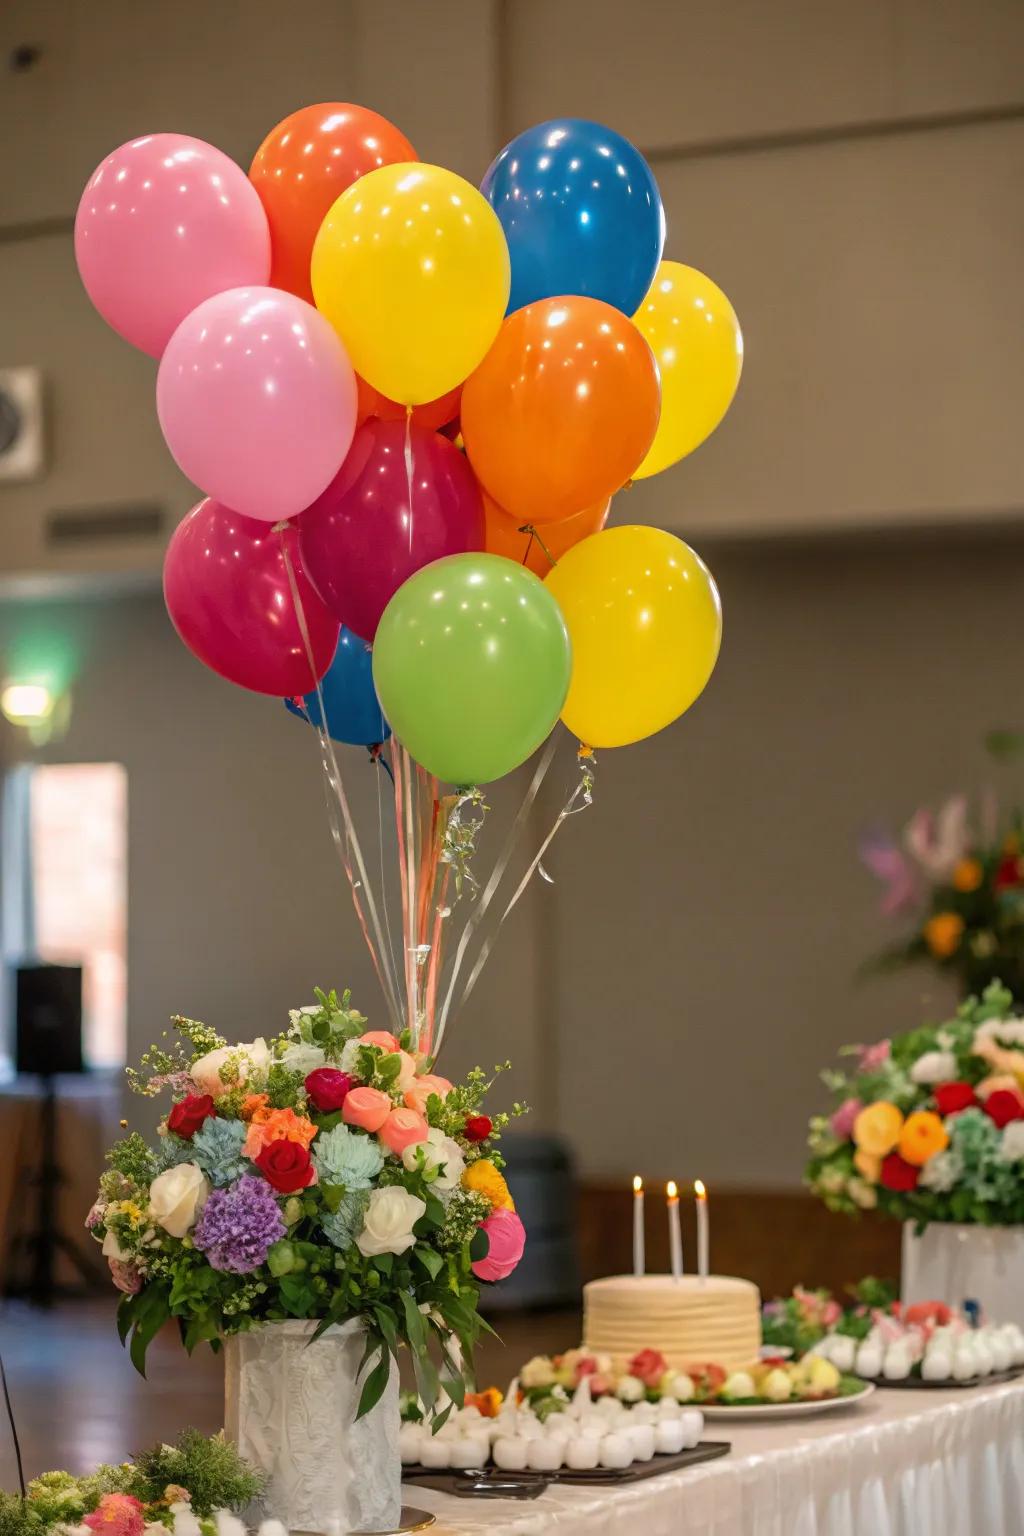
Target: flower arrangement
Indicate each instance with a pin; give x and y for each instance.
(799, 1321)
(960, 874)
(929, 1126)
(326, 1173)
(545, 1382)
(178, 1488)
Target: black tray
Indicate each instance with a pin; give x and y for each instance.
(494, 1482)
(991, 1380)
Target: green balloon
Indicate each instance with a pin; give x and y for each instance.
(471, 663)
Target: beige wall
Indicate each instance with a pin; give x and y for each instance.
(850, 173)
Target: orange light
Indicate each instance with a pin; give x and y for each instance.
(638, 1183)
(699, 1190)
(671, 1190)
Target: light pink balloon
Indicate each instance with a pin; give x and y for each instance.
(164, 222)
(257, 401)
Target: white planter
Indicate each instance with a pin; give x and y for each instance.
(955, 1264)
(290, 1407)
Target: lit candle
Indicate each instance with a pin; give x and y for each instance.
(638, 1225)
(675, 1231)
(702, 1228)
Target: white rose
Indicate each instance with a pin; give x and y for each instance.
(176, 1198)
(934, 1067)
(437, 1151)
(630, 1389)
(303, 1059)
(390, 1217)
(1011, 1146)
(112, 1249)
(349, 1055)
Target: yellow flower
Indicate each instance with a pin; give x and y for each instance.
(967, 875)
(484, 1179)
(942, 934)
(923, 1135)
(868, 1165)
(877, 1128)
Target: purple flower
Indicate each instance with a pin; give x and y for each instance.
(239, 1226)
(842, 1121)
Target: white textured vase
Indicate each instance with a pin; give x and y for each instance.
(290, 1408)
(954, 1264)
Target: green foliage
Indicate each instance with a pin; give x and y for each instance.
(132, 1159)
(211, 1470)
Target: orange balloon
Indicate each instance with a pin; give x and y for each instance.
(502, 535)
(302, 168)
(562, 409)
(434, 415)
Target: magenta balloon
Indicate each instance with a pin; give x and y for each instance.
(358, 541)
(257, 401)
(163, 223)
(227, 591)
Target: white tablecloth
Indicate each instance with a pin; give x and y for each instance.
(905, 1463)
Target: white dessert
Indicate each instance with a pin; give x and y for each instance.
(545, 1454)
(410, 1437)
(435, 1452)
(583, 1453)
(472, 1451)
(670, 1436)
(510, 1453)
(691, 1321)
(693, 1425)
(642, 1439)
(616, 1451)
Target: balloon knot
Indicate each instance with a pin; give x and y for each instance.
(281, 526)
(584, 753)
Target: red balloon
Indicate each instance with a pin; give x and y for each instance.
(304, 165)
(228, 594)
(358, 541)
(434, 415)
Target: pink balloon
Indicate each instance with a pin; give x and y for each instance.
(506, 1238)
(358, 541)
(163, 223)
(227, 591)
(257, 401)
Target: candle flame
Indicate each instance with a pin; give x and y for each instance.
(699, 1190)
(671, 1191)
(638, 1183)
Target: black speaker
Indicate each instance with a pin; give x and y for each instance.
(49, 1019)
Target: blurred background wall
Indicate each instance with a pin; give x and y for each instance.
(850, 174)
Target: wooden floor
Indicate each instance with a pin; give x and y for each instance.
(78, 1401)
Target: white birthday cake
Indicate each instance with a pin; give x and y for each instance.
(690, 1320)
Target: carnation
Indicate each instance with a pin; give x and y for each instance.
(1011, 1145)
(933, 1067)
(347, 1157)
(239, 1226)
(217, 1148)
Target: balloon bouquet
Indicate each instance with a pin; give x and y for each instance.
(408, 403)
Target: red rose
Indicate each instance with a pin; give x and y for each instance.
(951, 1098)
(477, 1128)
(286, 1165)
(650, 1365)
(188, 1115)
(327, 1088)
(899, 1175)
(1003, 1105)
(1010, 873)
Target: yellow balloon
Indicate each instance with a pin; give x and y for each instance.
(645, 621)
(411, 268)
(692, 329)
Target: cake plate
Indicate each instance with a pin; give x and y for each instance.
(791, 1410)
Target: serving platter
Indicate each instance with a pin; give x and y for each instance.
(809, 1408)
(493, 1482)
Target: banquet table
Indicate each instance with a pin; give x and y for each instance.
(903, 1463)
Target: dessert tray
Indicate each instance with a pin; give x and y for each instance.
(805, 1408)
(492, 1482)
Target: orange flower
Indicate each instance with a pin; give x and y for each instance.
(967, 875)
(277, 1125)
(877, 1128)
(868, 1165)
(254, 1106)
(923, 1135)
(942, 934)
(487, 1403)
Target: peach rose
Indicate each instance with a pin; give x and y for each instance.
(383, 1039)
(868, 1165)
(877, 1128)
(402, 1128)
(276, 1125)
(407, 1072)
(366, 1108)
(416, 1097)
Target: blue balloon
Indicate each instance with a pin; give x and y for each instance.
(581, 213)
(353, 711)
